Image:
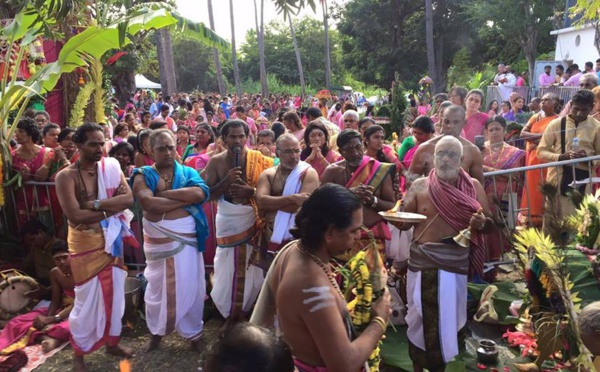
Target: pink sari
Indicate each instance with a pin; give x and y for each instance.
(19, 331)
(408, 158)
(320, 165)
(475, 126)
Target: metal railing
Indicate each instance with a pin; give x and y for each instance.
(564, 93)
(519, 176)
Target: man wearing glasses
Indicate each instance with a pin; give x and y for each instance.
(282, 190)
(368, 179)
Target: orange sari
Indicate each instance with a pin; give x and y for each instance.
(532, 197)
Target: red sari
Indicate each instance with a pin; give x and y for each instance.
(32, 201)
(320, 165)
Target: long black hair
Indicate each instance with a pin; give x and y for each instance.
(380, 156)
(312, 126)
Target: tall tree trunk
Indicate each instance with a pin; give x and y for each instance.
(298, 58)
(124, 85)
(220, 79)
(433, 73)
(264, 88)
(164, 52)
(327, 52)
(236, 68)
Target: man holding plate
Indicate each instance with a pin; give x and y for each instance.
(438, 267)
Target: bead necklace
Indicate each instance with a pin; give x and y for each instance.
(92, 172)
(326, 269)
(346, 171)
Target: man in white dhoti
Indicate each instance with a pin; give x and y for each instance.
(232, 177)
(175, 230)
(438, 267)
(282, 189)
(94, 194)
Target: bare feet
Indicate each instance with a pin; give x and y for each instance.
(121, 351)
(79, 364)
(153, 343)
(50, 344)
(197, 345)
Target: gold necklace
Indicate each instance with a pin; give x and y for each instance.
(326, 269)
(168, 181)
(495, 162)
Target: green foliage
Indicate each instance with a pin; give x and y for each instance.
(276, 86)
(384, 111)
(280, 57)
(398, 106)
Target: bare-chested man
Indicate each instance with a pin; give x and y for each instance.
(300, 288)
(282, 189)
(232, 177)
(368, 179)
(453, 121)
(438, 267)
(93, 194)
(175, 229)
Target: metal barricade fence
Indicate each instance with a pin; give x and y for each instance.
(564, 93)
(517, 178)
(493, 94)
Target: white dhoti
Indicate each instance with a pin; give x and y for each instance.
(236, 283)
(443, 321)
(176, 287)
(98, 309)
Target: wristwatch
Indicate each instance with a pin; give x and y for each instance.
(57, 318)
(96, 205)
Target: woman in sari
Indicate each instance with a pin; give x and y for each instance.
(34, 163)
(143, 149)
(532, 198)
(317, 152)
(373, 138)
(499, 155)
(204, 137)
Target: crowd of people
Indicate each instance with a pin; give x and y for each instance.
(270, 192)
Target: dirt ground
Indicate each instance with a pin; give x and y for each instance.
(173, 354)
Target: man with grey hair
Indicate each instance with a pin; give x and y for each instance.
(350, 119)
(588, 82)
(281, 190)
(453, 122)
(438, 266)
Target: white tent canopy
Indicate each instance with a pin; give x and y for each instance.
(142, 82)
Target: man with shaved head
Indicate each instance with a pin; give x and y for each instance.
(453, 122)
(438, 266)
(281, 190)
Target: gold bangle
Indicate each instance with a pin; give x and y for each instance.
(379, 320)
(254, 194)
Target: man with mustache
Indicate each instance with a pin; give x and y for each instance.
(232, 176)
(438, 266)
(175, 231)
(94, 195)
(368, 179)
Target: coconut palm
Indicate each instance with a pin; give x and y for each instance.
(260, 32)
(220, 80)
(298, 58)
(327, 52)
(236, 68)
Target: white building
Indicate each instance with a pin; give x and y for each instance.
(575, 44)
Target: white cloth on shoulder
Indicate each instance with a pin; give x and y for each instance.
(284, 221)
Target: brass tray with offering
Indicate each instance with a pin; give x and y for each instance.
(395, 216)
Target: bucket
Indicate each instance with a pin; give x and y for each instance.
(133, 287)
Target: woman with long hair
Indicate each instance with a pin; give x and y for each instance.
(183, 139)
(493, 108)
(120, 133)
(143, 149)
(204, 137)
(317, 152)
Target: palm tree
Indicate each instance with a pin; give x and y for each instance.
(431, 66)
(164, 54)
(260, 32)
(236, 69)
(327, 52)
(298, 58)
(220, 80)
